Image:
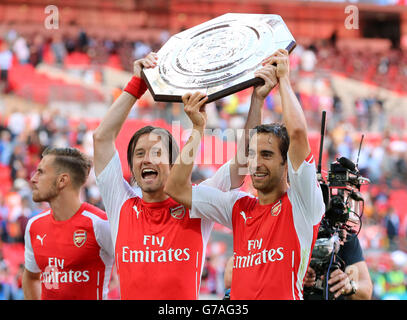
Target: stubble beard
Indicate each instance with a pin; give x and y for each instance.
(268, 186)
(47, 197)
(150, 188)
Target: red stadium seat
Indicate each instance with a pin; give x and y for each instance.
(14, 254)
(76, 59)
(398, 202)
(5, 179)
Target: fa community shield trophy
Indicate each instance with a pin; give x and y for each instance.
(218, 57)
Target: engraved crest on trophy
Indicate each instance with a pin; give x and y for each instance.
(218, 57)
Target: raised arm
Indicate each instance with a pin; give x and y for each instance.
(106, 133)
(238, 167)
(293, 115)
(178, 185)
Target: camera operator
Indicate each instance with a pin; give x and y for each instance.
(353, 284)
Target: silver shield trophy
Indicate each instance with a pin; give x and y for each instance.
(218, 57)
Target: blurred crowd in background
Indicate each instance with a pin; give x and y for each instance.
(25, 132)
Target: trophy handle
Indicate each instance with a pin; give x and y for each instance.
(291, 46)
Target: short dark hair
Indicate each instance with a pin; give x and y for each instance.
(75, 162)
(166, 137)
(279, 131)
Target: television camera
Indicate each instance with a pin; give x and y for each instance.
(342, 219)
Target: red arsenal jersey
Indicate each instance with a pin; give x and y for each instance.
(74, 256)
(159, 249)
(272, 243)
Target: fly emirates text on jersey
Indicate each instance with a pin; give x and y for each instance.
(149, 255)
(264, 256)
(54, 274)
